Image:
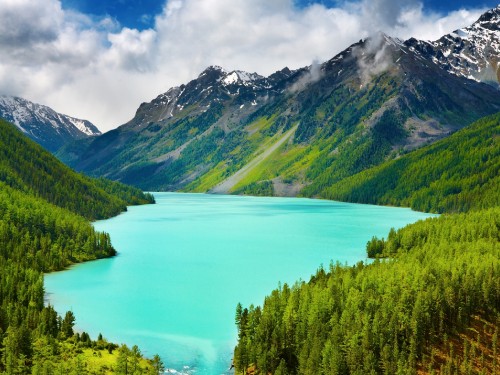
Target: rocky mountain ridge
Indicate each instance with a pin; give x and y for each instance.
(374, 101)
(214, 85)
(44, 125)
(472, 52)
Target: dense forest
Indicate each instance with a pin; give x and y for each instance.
(429, 302)
(457, 174)
(27, 167)
(44, 226)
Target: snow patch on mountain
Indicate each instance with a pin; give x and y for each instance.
(472, 52)
(230, 78)
(241, 77)
(83, 126)
(43, 124)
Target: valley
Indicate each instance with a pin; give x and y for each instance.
(179, 300)
(386, 121)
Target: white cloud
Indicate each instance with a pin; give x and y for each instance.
(311, 75)
(132, 50)
(414, 22)
(17, 27)
(373, 58)
(93, 69)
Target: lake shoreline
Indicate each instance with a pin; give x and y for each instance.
(197, 260)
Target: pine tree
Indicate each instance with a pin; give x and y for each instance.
(157, 366)
(67, 325)
(122, 362)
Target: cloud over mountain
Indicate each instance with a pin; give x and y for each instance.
(93, 68)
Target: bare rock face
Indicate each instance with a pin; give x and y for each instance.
(472, 52)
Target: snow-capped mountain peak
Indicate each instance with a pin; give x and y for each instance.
(239, 76)
(43, 124)
(83, 125)
(213, 85)
(491, 18)
(472, 52)
(212, 69)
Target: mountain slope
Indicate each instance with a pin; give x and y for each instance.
(472, 52)
(378, 99)
(44, 226)
(459, 173)
(228, 184)
(27, 167)
(43, 124)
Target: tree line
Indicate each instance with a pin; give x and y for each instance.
(429, 281)
(457, 174)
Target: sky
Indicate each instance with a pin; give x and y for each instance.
(98, 60)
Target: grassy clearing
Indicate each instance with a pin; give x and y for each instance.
(260, 124)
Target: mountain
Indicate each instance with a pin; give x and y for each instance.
(296, 131)
(28, 168)
(472, 52)
(457, 174)
(213, 86)
(45, 210)
(44, 125)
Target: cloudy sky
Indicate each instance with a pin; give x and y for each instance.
(98, 60)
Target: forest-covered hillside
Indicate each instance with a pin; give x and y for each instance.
(459, 173)
(44, 226)
(432, 306)
(26, 166)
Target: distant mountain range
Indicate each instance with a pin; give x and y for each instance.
(44, 125)
(298, 132)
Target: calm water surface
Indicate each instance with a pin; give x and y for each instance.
(185, 263)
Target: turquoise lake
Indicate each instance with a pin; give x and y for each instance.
(185, 262)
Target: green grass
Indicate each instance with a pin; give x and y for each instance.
(207, 181)
(287, 160)
(101, 361)
(239, 156)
